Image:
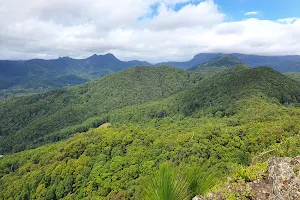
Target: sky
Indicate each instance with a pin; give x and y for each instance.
(150, 30)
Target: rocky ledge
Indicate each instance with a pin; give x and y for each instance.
(281, 183)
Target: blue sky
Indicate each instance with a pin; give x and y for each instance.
(268, 9)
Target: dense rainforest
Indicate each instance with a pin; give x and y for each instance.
(294, 75)
(112, 137)
(30, 121)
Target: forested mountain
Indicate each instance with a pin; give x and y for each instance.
(145, 119)
(279, 63)
(17, 77)
(26, 122)
(294, 75)
(36, 76)
(198, 59)
(30, 121)
(217, 64)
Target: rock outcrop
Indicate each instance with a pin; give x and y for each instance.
(281, 183)
(284, 176)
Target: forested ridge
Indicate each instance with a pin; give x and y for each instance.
(218, 63)
(23, 77)
(119, 131)
(294, 75)
(39, 75)
(24, 121)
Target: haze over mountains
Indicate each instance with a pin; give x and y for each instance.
(34, 75)
(38, 75)
(279, 63)
(217, 64)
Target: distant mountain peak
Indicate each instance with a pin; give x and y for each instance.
(64, 57)
(104, 55)
(110, 55)
(227, 60)
(207, 55)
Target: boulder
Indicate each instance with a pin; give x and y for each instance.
(284, 176)
(282, 183)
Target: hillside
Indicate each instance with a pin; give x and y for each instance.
(203, 129)
(18, 78)
(217, 95)
(25, 121)
(32, 76)
(50, 117)
(218, 63)
(196, 60)
(294, 75)
(279, 63)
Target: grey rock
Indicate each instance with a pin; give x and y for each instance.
(284, 176)
(198, 198)
(282, 183)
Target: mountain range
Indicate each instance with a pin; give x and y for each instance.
(38, 75)
(279, 63)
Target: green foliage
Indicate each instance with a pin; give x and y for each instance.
(166, 185)
(203, 127)
(31, 121)
(113, 162)
(254, 172)
(202, 178)
(37, 75)
(238, 187)
(294, 75)
(218, 63)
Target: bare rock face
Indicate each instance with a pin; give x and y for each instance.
(284, 176)
(282, 183)
(198, 198)
(261, 189)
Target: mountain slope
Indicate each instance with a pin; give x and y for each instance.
(25, 121)
(294, 75)
(221, 122)
(52, 116)
(218, 63)
(196, 60)
(218, 95)
(38, 73)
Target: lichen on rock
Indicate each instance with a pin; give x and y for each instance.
(284, 177)
(282, 182)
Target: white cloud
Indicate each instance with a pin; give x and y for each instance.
(252, 13)
(128, 28)
(204, 14)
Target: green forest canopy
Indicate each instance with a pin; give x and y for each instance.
(220, 122)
